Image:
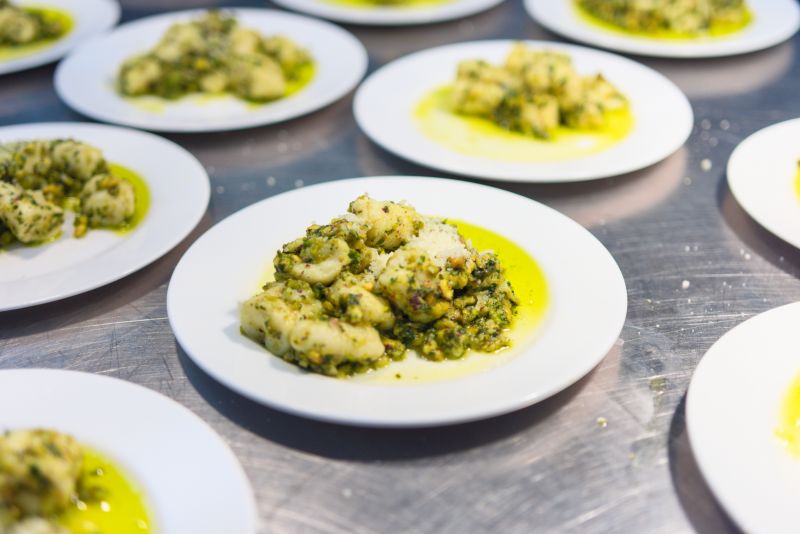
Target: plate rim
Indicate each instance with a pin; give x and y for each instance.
(415, 421)
(360, 60)
(699, 375)
(149, 259)
(732, 171)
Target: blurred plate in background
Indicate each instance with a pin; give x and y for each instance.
(86, 80)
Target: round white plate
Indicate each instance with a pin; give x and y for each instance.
(774, 21)
(179, 193)
(732, 410)
(385, 102)
(390, 15)
(762, 175)
(189, 476)
(85, 80)
(588, 303)
(90, 17)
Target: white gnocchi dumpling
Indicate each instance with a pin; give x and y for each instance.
(108, 201)
(28, 215)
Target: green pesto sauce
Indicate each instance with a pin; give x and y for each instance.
(479, 137)
(530, 285)
(375, 4)
(522, 272)
(716, 30)
(142, 196)
(157, 104)
(122, 508)
(9, 52)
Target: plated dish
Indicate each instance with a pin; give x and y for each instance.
(83, 454)
(98, 203)
(532, 111)
(686, 29)
(37, 33)
(195, 71)
(389, 12)
(564, 279)
(763, 175)
(741, 398)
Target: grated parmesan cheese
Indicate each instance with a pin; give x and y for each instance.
(441, 241)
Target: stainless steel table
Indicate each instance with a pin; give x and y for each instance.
(609, 454)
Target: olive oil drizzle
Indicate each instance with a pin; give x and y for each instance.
(788, 430)
(119, 506)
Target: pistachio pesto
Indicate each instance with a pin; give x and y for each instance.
(668, 19)
(26, 29)
(357, 293)
(534, 92)
(40, 179)
(214, 55)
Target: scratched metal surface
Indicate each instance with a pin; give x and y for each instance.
(549, 468)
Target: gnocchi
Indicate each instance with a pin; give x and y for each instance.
(357, 293)
(534, 92)
(213, 54)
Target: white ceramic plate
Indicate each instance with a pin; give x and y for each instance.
(384, 108)
(588, 303)
(390, 15)
(762, 175)
(774, 21)
(189, 476)
(85, 80)
(732, 410)
(179, 193)
(90, 17)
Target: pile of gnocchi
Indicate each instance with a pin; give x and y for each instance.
(213, 54)
(534, 92)
(357, 293)
(40, 179)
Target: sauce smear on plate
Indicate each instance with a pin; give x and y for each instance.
(120, 507)
(789, 426)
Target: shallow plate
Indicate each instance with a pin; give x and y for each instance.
(90, 17)
(85, 80)
(179, 193)
(764, 176)
(388, 15)
(587, 306)
(384, 108)
(159, 443)
(732, 411)
(774, 21)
